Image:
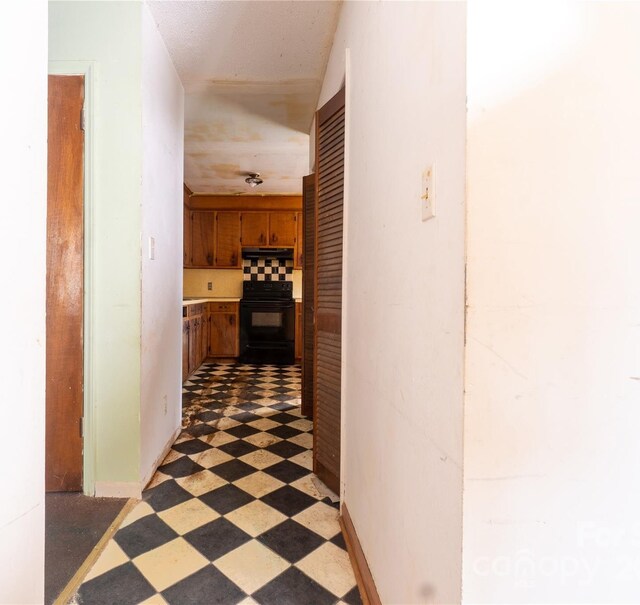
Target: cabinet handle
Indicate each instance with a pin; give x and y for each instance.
(274, 237)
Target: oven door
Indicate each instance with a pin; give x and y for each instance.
(267, 330)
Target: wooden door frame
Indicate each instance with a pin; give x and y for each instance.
(88, 70)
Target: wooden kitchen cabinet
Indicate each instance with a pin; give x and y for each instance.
(297, 259)
(202, 238)
(227, 240)
(194, 343)
(195, 334)
(223, 330)
(186, 226)
(185, 348)
(282, 229)
(216, 228)
(298, 341)
(255, 229)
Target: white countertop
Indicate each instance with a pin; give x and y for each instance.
(195, 301)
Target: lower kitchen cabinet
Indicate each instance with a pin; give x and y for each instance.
(194, 338)
(185, 348)
(223, 329)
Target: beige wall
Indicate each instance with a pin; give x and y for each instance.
(403, 315)
(224, 283)
(552, 488)
(23, 166)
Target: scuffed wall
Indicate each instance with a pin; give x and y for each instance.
(403, 319)
(552, 489)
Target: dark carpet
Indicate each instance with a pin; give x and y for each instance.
(74, 525)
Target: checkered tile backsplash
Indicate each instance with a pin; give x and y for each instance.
(266, 269)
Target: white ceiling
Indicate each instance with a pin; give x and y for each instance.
(252, 72)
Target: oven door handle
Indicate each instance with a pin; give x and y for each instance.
(268, 305)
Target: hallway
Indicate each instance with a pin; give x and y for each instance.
(234, 514)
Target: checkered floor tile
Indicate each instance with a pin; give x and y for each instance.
(234, 514)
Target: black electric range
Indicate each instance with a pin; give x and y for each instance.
(267, 322)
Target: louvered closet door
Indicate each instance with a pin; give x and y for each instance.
(308, 283)
(328, 289)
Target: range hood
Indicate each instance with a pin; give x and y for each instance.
(285, 253)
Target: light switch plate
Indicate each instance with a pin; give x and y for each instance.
(428, 193)
(152, 248)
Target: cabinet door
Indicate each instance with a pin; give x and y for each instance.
(224, 334)
(282, 229)
(255, 228)
(227, 239)
(202, 237)
(204, 336)
(194, 344)
(297, 263)
(186, 240)
(185, 349)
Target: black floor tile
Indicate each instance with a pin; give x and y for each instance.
(209, 416)
(246, 416)
(182, 467)
(291, 540)
(284, 406)
(124, 585)
(284, 431)
(292, 587)
(165, 496)
(238, 448)
(353, 597)
(286, 471)
(242, 431)
(143, 535)
(226, 498)
(233, 470)
(285, 449)
(338, 540)
(193, 446)
(207, 586)
(197, 430)
(288, 500)
(284, 418)
(217, 538)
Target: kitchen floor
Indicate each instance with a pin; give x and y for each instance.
(234, 514)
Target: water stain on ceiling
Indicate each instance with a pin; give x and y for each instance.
(252, 72)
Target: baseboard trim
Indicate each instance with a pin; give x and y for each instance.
(366, 585)
(159, 459)
(118, 489)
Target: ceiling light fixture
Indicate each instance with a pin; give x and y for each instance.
(253, 179)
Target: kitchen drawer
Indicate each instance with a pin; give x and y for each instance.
(196, 310)
(224, 307)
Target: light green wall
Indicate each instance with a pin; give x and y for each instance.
(109, 35)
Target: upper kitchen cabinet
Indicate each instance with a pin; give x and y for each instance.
(282, 229)
(186, 225)
(202, 238)
(227, 240)
(255, 229)
(217, 227)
